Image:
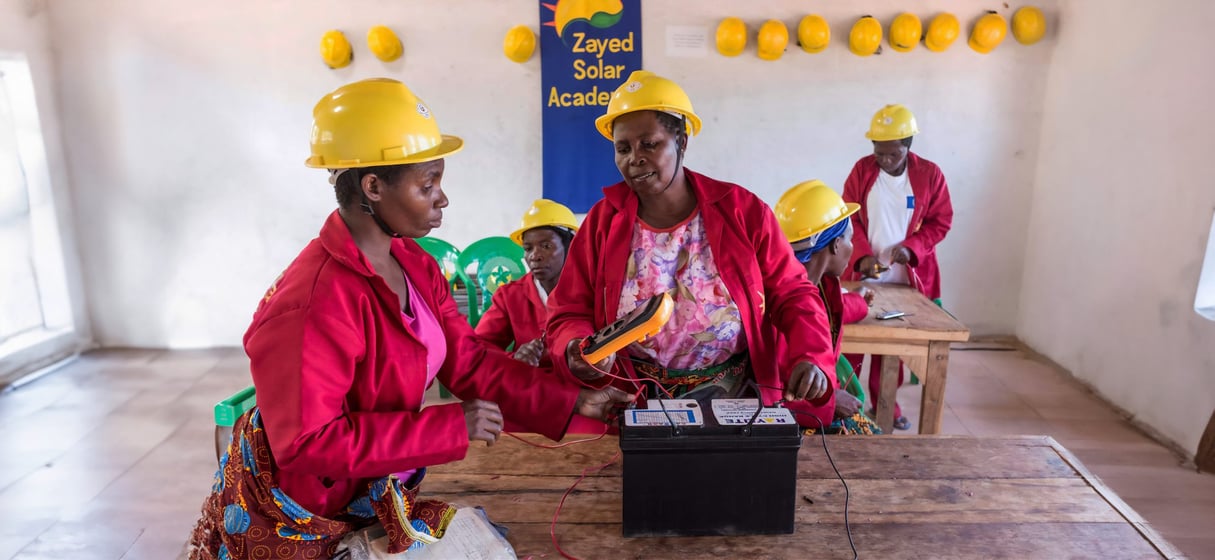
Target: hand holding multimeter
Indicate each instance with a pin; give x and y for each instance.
(600, 348)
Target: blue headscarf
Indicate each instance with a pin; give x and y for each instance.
(821, 240)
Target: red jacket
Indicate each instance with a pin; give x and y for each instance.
(340, 378)
(930, 220)
(516, 315)
(850, 308)
(755, 261)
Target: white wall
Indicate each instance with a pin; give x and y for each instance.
(190, 124)
(1121, 208)
(25, 40)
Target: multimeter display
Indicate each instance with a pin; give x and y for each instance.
(644, 321)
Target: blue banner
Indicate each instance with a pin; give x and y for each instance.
(587, 49)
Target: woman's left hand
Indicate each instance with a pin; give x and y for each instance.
(806, 381)
(846, 405)
(901, 254)
(530, 352)
(598, 404)
(868, 294)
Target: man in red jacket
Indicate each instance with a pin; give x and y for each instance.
(905, 213)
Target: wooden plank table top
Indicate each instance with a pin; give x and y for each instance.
(941, 497)
(924, 320)
(921, 339)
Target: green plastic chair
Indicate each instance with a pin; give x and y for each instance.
(226, 413)
(448, 258)
(848, 379)
(494, 262)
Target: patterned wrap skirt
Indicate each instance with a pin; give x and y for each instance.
(248, 516)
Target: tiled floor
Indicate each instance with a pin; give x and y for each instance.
(111, 456)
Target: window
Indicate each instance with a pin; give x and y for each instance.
(35, 313)
(1204, 302)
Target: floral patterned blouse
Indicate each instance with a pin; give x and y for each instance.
(705, 328)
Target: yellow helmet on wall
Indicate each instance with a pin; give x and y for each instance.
(519, 43)
(543, 213)
(647, 91)
(375, 122)
(384, 44)
(865, 37)
(905, 32)
(892, 122)
(731, 36)
(1028, 25)
(943, 30)
(810, 208)
(988, 33)
(813, 33)
(335, 49)
(772, 40)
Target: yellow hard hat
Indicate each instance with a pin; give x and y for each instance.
(988, 33)
(905, 32)
(335, 49)
(942, 32)
(375, 122)
(731, 36)
(647, 91)
(1028, 25)
(772, 40)
(519, 43)
(810, 208)
(384, 44)
(865, 37)
(543, 213)
(813, 33)
(892, 122)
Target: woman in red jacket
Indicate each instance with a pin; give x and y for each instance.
(815, 221)
(714, 246)
(344, 345)
(906, 213)
(519, 310)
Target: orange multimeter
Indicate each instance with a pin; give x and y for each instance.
(642, 322)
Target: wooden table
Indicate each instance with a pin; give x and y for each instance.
(942, 497)
(921, 339)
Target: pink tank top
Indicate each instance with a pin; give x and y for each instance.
(429, 331)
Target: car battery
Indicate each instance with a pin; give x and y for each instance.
(723, 471)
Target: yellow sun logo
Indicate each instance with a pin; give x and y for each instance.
(598, 13)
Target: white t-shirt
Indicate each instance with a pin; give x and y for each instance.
(889, 208)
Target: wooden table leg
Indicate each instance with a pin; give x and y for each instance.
(885, 405)
(932, 403)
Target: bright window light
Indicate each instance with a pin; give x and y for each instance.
(1204, 302)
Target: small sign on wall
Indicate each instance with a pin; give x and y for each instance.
(587, 48)
(687, 41)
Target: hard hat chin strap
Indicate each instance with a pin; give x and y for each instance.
(679, 155)
(367, 209)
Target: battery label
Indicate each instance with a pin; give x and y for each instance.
(681, 412)
(740, 411)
